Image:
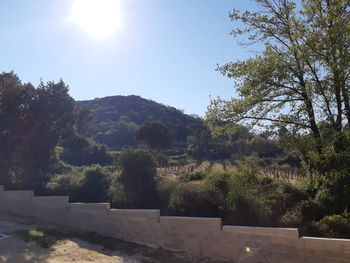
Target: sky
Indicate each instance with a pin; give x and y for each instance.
(163, 50)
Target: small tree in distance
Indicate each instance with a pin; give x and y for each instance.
(154, 135)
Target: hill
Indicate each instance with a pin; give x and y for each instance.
(116, 118)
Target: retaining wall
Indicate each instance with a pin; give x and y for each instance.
(202, 236)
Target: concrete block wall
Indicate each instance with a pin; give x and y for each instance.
(201, 236)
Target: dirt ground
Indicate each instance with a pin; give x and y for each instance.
(29, 242)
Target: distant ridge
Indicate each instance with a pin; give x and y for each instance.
(118, 117)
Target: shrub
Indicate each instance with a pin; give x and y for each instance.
(244, 206)
(292, 218)
(280, 197)
(196, 176)
(193, 199)
(321, 205)
(218, 183)
(334, 226)
(165, 187)
(254, 200)
(138, 178)
(66, 181)
(116, 194)
(94, 186)
(79, 151)
(311, 210)
(325, 201)
(83, 184)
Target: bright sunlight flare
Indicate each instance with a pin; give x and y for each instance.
(98, 18)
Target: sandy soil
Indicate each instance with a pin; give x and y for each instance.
(15, 249)
(20, 247)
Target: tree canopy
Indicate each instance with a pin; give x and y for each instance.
(32, 121)
(154, 135)
(300, 79)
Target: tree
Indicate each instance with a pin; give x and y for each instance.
(300, 79)
(84, 123)
(154, 135)
(80, 151)
(138, 178)
(32, 122)
(200, 143)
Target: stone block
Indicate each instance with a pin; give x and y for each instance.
(263, 231)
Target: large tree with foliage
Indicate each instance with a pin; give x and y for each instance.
(300, 80)
(32, 121)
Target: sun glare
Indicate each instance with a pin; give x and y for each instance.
(98, 18)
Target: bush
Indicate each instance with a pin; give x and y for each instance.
(196, 176)
(116, 194)
(321, 205)
(281, 197)
(193, 199)
(244, 206)
(79, 151)
(292, 218)
(165, 187)
(83, 184)
(334, 226)
(94, 186)
(138, 178)
(325, 201)
(248, 199)
(66, 181)
(219, 181)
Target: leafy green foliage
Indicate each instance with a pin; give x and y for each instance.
(117, 119)
(79, 151)
(196, 176)
(334, 226)
(193, 199)
(298, 86)
(236, 146)
(300, 79)
(154, 135)
(82, 184)
(138, 170)
(240, 198)
(84, 119)
(32, 121)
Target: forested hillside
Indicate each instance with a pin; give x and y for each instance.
(114, 120)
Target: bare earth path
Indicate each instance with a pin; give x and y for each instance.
(32, 243)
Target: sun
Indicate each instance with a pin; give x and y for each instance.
(98, 18)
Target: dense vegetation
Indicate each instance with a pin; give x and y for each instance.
(73, 164)
(297, 90)
(117, 118)
(298, 83)
(32, 121)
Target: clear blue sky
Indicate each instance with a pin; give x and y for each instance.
(166, 50)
